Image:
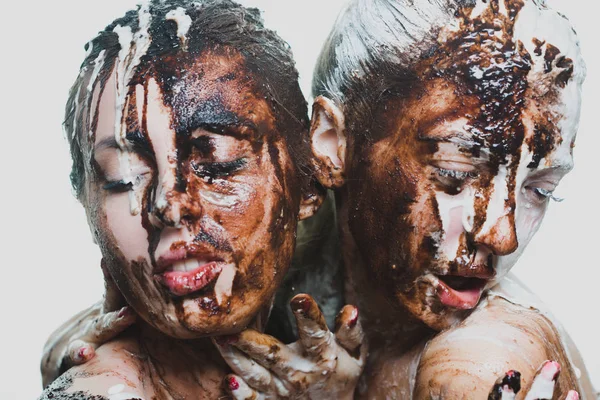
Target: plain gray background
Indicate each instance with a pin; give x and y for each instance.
(50, 265)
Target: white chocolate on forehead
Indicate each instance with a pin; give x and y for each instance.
(183, 21)
(552, 28)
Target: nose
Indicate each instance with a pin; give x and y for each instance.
(500, 237)
(174, 204)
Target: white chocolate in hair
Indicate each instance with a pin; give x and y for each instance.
(371, 32)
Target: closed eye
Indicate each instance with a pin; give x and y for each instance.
(118, 186)
(214, 170)
(452, 178)
(544, 194)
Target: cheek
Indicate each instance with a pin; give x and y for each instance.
(528, 219)
(232, 197)
(131, 237)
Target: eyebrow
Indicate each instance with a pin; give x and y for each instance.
(213, 117)
(561, 168)
(235, 130)
(458, 138)
(138, 142)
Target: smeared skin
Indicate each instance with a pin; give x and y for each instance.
(480, 75)
(321, 364)
(390, 211)
(201, 84)
(160, 359)
(151, 366)
(497, 337)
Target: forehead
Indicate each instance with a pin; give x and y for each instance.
(220, 89)
(214, 91)
(514, 70)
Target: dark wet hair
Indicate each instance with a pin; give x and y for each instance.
(214, 23)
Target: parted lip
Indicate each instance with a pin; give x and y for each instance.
(167, 259)
(461, 285)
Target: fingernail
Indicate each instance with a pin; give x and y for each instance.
(300, 304)
(83, 353)
(233, 383)
(125, 311)
(550, 370)
(572, 395)
(354, 318)
(512, 380)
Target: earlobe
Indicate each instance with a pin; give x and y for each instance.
(328, 143)
(310, 203)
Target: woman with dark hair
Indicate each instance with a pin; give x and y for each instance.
(188, 134)
(444, 128)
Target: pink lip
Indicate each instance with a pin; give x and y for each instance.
(182, 283)
(465, 299)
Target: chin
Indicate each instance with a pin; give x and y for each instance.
(191, 318)
(431, 312)
(442, 321)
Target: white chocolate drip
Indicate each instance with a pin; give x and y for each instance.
(183, 21)
(133, 48)
(118, 392)
(224, 284)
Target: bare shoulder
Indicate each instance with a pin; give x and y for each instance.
(499, 336)
(114, 374)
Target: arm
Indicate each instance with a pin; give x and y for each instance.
(496, 338)
(75, 341)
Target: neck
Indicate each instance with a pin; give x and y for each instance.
(172, 365)
(381, 318)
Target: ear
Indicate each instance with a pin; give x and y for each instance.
(328, 143)
(311, 202)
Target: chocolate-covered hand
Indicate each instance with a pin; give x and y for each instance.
(75, 341)
(319, 365)
(542, 386)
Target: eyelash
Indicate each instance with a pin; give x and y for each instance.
(547, 194)
(458, 175)
(118, 186)
(214, 170)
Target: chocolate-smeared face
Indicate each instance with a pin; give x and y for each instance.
(192, 193)
(461, 169)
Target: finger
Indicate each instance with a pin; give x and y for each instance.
(543, 384)
(348, 330)
(250, 371)
(572, 395)
(314, 335)
(239, 390)
(107, 326)
(79, 352)
(506, 387)
(271, 354)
